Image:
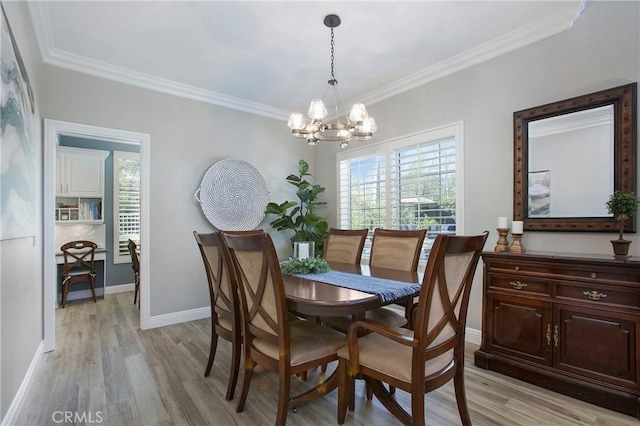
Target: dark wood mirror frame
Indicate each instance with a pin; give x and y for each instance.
(623, 99)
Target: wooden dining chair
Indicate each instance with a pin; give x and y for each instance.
(225, 305)
(396, 249)
(423, 359)
(399, 250)
(135, 265)
(345, 245)
(79, 266)
(269, 338)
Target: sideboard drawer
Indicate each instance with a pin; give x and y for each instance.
(599, 294)
(518, 284)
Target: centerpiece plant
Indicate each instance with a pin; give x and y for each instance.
(300, 216)
(622, 205)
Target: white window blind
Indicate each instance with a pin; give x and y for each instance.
(126, 202)
(408, 183)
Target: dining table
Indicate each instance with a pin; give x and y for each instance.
(312, 295)
(346, 290)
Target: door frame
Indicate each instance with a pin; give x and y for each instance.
(53, 129)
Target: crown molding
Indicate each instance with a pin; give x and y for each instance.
(39, 12)
(524, 36)
(514, 40)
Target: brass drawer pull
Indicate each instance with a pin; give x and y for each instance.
(594, 295)
(594, 275)
(548, 334)
(555, 335)
(518, 285)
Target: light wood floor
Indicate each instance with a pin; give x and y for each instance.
(107, 369)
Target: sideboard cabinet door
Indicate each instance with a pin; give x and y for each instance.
(598, 344)
(521, 328)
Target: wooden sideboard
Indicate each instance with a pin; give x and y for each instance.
(565, 322)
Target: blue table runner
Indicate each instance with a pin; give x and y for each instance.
(388, 290)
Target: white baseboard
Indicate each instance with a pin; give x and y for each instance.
(112, 289)
(178, 317)
(473, 335)
(84, 294)
(18, 401)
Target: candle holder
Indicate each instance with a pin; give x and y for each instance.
(516, 244)
(502, 244)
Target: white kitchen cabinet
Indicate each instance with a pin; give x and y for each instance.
(79, 185)
(80, 172)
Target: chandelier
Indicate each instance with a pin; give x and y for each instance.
(357, 124)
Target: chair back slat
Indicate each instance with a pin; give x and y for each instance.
(396, 249)
(223, 288)
(440, 318)
(79, 255)
(262, 295)
(345, 245)
(133, 252)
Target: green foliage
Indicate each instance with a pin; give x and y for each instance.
(622, 205)
(310, 265)
(300, 216)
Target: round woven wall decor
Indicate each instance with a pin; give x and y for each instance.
(233, 195)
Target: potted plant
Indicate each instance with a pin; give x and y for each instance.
(300, 215)
(622, 205)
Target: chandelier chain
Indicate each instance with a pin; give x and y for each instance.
(333, 77)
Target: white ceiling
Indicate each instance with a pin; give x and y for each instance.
(273, 57)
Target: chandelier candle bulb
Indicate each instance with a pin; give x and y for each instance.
(503, 223)
(517, 227)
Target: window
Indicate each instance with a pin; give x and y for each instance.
(126, 203)
(414, 182)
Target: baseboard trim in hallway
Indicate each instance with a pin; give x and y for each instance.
(18, 401)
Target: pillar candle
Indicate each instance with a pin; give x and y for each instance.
(303, 250)
(517, 227)
(502, 222)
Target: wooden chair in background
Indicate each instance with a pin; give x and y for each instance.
(78, 266)
(269, 338)
(225, 305)
(135, 265)
(345, 245)
(423, 359)
(396, 249)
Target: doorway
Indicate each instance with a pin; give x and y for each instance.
(53, 131)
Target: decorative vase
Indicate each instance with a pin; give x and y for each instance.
(620, 247)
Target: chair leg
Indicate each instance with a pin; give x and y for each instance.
(212, 350)
(283, 397)
(136, 290)
(343, 391)
(392, 405)
(461, 399)
(249, 365)
(236, 349)
(65, 290)
(92, 282)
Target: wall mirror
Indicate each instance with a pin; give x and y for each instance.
(570, 156)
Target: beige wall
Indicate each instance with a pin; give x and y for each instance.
(601, 51)
(20, 259)
(186, 138)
